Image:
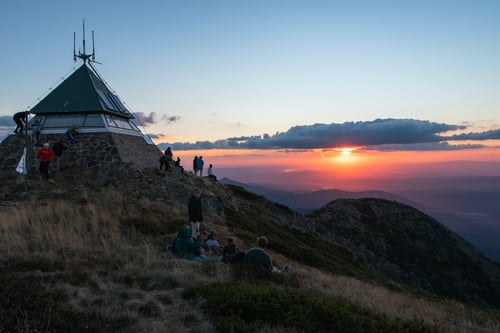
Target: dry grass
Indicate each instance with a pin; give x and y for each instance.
(120, 276)
(59, 228)
(110, 272)
(448, 314)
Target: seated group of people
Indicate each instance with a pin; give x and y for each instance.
(167, 159)
(201, 247)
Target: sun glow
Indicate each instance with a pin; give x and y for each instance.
(344, 155)
(345, 151)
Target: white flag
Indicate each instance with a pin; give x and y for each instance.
(21, 166)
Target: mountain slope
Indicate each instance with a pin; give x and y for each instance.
(397, 241)
(473, 215)
(411, 248)
(96, 238)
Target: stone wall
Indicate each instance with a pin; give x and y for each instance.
(92, 150)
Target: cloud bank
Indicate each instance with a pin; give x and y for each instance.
(390, 134)
(379, 134)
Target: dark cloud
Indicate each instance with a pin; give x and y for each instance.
(401, 132)
(145, 120)
(488, 135)
(433, 146)
(170, 119)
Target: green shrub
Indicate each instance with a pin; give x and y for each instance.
(27, 305)
(247, 307)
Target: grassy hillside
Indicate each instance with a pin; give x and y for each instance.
(80, 257)
(412, 248)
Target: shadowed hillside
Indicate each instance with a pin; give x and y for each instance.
(86, 254)
(411, 248)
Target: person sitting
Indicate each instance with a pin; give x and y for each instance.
(168, 152)
(165, 161)
(259, 258)
(210, 173)
(204, 238)
(186, 247)
(177, 163)
(231, 253)
(212, 243)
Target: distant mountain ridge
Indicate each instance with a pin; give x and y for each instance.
(305, 202)
(454, 208)
(390, 238)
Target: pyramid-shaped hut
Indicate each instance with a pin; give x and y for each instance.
(107, 134)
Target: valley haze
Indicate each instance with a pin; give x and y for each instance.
(468, 205)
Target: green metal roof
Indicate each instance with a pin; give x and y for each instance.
(82, 92)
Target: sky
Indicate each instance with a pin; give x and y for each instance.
(280, 86)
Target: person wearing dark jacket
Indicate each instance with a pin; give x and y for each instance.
(58, 149)
(259, 258)
(20, 118)
(231, 253)
(186, 247)
(195, 212)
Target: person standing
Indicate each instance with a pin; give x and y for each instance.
(58, 149)
(20, 118)
(36, 131)
(71, 134)
(199, 165)
(45, 154)
(195, 212)
(195, 165)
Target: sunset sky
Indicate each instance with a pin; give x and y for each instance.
(268, 89)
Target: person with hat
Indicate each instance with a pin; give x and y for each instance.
(45, 154)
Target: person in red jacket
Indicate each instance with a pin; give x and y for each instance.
(45, 155)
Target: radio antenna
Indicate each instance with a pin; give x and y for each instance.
(93, 47)
(82, 55)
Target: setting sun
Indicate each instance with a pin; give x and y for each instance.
(345, 151)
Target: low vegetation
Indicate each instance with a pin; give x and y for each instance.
(95, 262)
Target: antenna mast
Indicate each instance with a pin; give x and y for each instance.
(85, 57)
